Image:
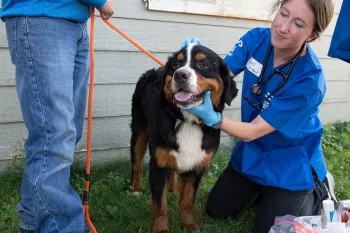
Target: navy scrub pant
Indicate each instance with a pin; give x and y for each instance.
(232, 193)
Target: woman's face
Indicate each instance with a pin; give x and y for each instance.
(293, 25)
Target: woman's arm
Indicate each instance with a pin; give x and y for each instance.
(241, 130)
(246, 131)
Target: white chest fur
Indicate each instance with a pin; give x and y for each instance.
(190, 151)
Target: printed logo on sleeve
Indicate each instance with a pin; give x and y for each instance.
(239, 44)
(254, 66)
(268, 101)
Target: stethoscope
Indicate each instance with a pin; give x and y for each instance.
(257, 88)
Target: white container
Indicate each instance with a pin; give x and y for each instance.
(328, 208)
(336, 227)
(314, 221)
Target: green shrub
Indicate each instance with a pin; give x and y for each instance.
(336, 148)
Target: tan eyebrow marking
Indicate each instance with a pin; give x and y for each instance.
(180, 57)
(200, 56)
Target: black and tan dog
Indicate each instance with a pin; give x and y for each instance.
(178, 141)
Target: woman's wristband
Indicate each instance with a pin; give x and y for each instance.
(219, 123)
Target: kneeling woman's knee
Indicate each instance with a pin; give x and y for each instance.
(212, 211)
(217, 209)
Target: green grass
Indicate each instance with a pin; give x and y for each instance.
(9, 197)
(113, 209)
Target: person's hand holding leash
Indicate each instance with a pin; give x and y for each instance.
(206, 111)
(107, 10)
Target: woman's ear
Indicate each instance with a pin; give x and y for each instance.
(311, 38)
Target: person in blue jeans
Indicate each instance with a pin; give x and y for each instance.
(49, 45)
(278, 162)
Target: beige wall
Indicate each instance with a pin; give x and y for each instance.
(119, 64)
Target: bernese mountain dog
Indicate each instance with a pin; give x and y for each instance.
(180, 145)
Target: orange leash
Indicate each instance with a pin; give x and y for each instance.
(88, 152)
(91, 89)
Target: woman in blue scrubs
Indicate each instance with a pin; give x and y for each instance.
(278, 162)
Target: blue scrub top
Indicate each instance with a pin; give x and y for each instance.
(340, 45)
(284, 157)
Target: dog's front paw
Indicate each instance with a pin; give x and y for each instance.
(160, 225)
(190, 224)
(135, 190)
(190, 227)
(165, 231)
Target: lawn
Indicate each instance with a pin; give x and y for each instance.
(113, 209)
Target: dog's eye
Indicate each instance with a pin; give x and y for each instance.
(202, 65)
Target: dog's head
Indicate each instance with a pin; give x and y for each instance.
(192, 71)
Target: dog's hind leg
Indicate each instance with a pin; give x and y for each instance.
(187, 187)
(138, 148)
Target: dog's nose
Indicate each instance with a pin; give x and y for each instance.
(181, 76)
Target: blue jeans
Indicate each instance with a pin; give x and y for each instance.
(52, 64)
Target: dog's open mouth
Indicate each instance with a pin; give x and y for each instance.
(187, 99)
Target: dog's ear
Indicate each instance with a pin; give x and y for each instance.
(163, 83)
(230, 89)
(162, 72)
(165, 70)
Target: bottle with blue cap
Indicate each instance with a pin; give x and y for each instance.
(328, 209)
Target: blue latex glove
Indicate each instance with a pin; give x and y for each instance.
(206, 111)
(191, 40)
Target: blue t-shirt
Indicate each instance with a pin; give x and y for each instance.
(285, 157)
(75, 10)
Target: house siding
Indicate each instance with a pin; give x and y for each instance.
(119, 65)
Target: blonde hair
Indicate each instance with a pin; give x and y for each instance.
(323, 13)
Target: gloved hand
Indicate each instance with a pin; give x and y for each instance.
(206, 111)
(191, 40)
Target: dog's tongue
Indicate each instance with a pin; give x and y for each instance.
(183, 95)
